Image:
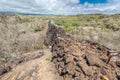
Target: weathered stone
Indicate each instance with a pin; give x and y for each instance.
(79, 62)
(93, 60)
(87, 70)
(114, 61)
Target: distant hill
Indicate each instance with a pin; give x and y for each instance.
(9, 12)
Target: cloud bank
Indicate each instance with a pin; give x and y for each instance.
(67, 7)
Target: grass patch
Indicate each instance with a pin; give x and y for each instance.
(68, 28)
(2, 59)
(48, 58)
(67, 21)
(75, 31)
(39, 45)
(69, 24)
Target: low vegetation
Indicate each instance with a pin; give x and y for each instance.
(21, 33)
(48, 58)
(104, 29)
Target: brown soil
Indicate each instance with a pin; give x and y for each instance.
(34, 65)
(36, 69)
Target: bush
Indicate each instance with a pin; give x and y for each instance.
(37, 29)
(75, 23)
(59, 22)
(112, 26)
(2, 59)
(68, 28)
(75, 31)
(48, 58)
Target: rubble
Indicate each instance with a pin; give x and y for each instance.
(80, 60)
(93, 60)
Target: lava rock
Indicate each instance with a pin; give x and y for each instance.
(93, 60)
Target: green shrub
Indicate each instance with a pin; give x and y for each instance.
(37, 29)
(112, 26)
(75, 31)
(48, 58)
(75, 23)
(59, 22)
(2, 59)
(68, 28)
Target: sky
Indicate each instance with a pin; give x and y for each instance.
(93, 1)
(66, 7)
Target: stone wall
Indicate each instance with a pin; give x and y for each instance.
(79, 60)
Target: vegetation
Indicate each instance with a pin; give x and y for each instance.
(112, 26)
(69, 23)
(20, 33)
(101, 28)
(48, 58)
(2, 59)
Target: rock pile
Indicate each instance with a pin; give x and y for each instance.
(81, 60)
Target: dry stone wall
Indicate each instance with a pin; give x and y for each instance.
(81, 60)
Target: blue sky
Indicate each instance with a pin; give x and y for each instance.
(67, 7)
(93, 1)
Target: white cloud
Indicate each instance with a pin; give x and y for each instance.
(58, 6)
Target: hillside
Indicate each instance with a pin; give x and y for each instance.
(100, 28)
(72, 48)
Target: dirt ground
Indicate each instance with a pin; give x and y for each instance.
(34, 65)
(37, 69)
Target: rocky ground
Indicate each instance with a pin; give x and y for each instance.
(82, 60)
(66, 59)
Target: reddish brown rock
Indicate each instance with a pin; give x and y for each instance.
(87, 70)
(93, 60)
(78, 60)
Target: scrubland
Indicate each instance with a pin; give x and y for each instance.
(24, 33)
(20, 34)
(100, 28)
(26, 52)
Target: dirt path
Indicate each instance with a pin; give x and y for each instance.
(37, 69)
(40, 68)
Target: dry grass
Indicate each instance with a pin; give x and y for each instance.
(108, 38)
(20, 34)
(104, 29)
